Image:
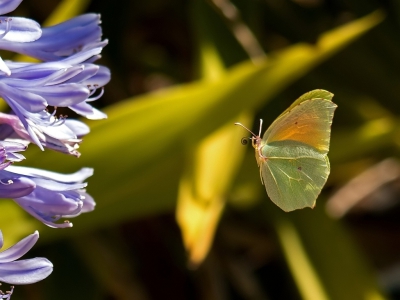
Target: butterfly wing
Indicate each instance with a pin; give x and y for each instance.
(296, 146)
(309, 122)
(315, 94)
(293, 174)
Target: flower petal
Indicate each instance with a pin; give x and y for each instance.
(50, 203)
(4, 68)
(62, 95)
(78, 176)
(21, 30)
(19, 249)
(62, 40)
(25, 271)
(88, 111)
(7, 6)
(47, 220)
(88, 202)
(25, 99)
(22, 113)
(12, 146)
(79, 128)
(13, 187)
(101, 78)
(1, 239)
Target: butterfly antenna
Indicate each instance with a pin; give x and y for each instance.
(240, 124)
(261, 121)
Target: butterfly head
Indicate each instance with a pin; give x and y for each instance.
(255, 139)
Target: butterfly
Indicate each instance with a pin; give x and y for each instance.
(292, 154)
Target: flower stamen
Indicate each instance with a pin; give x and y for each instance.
(9, 181)
(89, 99)
(7, 294)
(8, 27)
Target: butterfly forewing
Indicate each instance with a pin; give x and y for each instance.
(314, 94)
(308, 122)
(293, 174)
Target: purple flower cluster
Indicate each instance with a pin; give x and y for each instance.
(66, 77)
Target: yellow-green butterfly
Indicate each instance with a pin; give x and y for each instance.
(292, 154)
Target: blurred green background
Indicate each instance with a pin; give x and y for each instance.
(181, 212)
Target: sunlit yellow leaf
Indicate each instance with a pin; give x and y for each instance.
(67, 9)
(209, 170)
(203, 190)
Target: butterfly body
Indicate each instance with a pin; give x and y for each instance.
(292, 154)
(258, 145)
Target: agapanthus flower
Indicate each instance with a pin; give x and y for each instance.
(9, 152)
(27, 271)
(62, 137)
(70, 82)
(15, 30)
(62, 40)
(54, 195)
(10, 185)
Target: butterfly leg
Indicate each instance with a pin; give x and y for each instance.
(260, 155)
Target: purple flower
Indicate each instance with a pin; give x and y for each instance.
(10, 185)
(64, 39)
(8, 5)
(54, 196)
(9, 151)
(64, 136)
(15, 30)
(70, 82)
(25, 271)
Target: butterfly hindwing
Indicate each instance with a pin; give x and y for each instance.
(293, 174)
